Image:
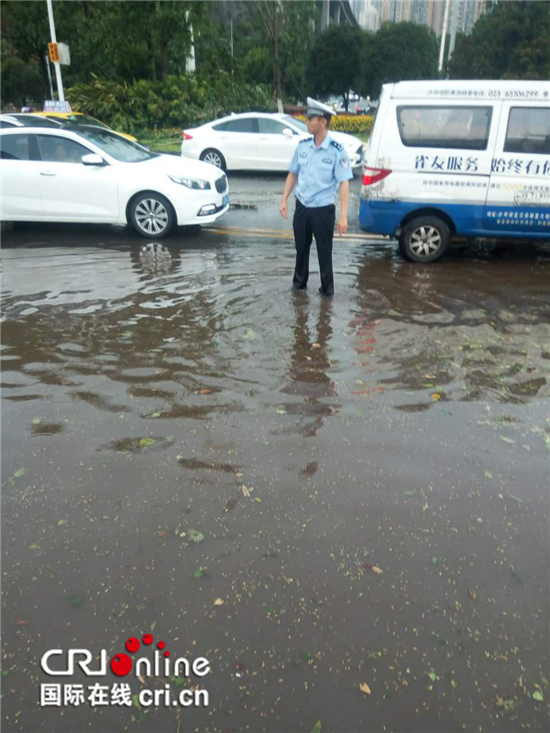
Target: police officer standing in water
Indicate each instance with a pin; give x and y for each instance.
(318, 167)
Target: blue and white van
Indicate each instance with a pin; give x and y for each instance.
(458, 158)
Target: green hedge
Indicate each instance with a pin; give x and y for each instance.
(180, 101)
(349, 123)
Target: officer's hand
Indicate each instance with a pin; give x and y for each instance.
(342, 224)
(283, 208)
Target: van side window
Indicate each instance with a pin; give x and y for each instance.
(528, 131)
(441, 126)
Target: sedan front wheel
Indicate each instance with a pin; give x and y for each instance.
(152, 215)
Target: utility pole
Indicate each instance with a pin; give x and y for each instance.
(443, 35)
(47, 60)
(56, 63)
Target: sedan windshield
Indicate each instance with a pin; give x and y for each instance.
(84, 120)
(116, 146)
(297, 123)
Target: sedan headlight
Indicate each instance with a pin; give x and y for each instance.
(197, 183)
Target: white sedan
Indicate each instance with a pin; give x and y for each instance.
(97, 176)
(256, 141)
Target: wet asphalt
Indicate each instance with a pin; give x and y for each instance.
(341, 503)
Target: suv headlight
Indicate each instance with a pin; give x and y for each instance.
(197, 183)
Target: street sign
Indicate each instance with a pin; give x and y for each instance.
(64, 55)
(51, 105)
(53, 48)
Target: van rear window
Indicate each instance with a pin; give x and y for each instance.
(528, 131)
(440, 126)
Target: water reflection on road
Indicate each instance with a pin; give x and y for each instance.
(154, 392)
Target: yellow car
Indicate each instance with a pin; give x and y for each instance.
(79, 118)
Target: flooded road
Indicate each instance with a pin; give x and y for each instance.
(341, 504)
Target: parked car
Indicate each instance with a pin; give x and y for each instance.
(78, 118)
(95, 175)
(256, 141)
(364, 107)
(25, 120)
(464, 158)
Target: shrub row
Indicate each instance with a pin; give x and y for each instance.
(349, 123)
(180, 101)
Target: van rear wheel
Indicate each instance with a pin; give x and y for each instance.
(425, 239)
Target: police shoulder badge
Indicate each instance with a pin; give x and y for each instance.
(345, 162)
(336, 145)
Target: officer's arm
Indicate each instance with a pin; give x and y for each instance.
(344, 196)
(289, 185)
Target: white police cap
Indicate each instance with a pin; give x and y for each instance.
(318, 109)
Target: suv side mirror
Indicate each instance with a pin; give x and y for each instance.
(287, 132)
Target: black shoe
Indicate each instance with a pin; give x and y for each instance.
(328, 293)
(299, 287)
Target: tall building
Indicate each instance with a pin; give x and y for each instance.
(367, 13)
(463, 14)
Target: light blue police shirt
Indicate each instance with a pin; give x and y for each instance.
(320, 170)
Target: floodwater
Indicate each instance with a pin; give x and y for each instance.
(342, 504)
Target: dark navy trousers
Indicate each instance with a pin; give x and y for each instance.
(318, 222)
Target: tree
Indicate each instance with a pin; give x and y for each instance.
(335, 60)
(398, 52)
(509, 42)
(288, 30)
(21, 83)
(115, 40)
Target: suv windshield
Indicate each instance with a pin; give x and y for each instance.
(116, 146)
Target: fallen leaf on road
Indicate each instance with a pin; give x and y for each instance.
(219, 602)
(365, 688)
(20, 622)
(195, 536)
(537, 696)
(145, 442)
(245, 491)
(436, 396)
(206, 390)
(472, 592)
(373, 568)
(315, 346)
(317, 727)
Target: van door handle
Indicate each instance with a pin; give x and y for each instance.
(48, 173)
